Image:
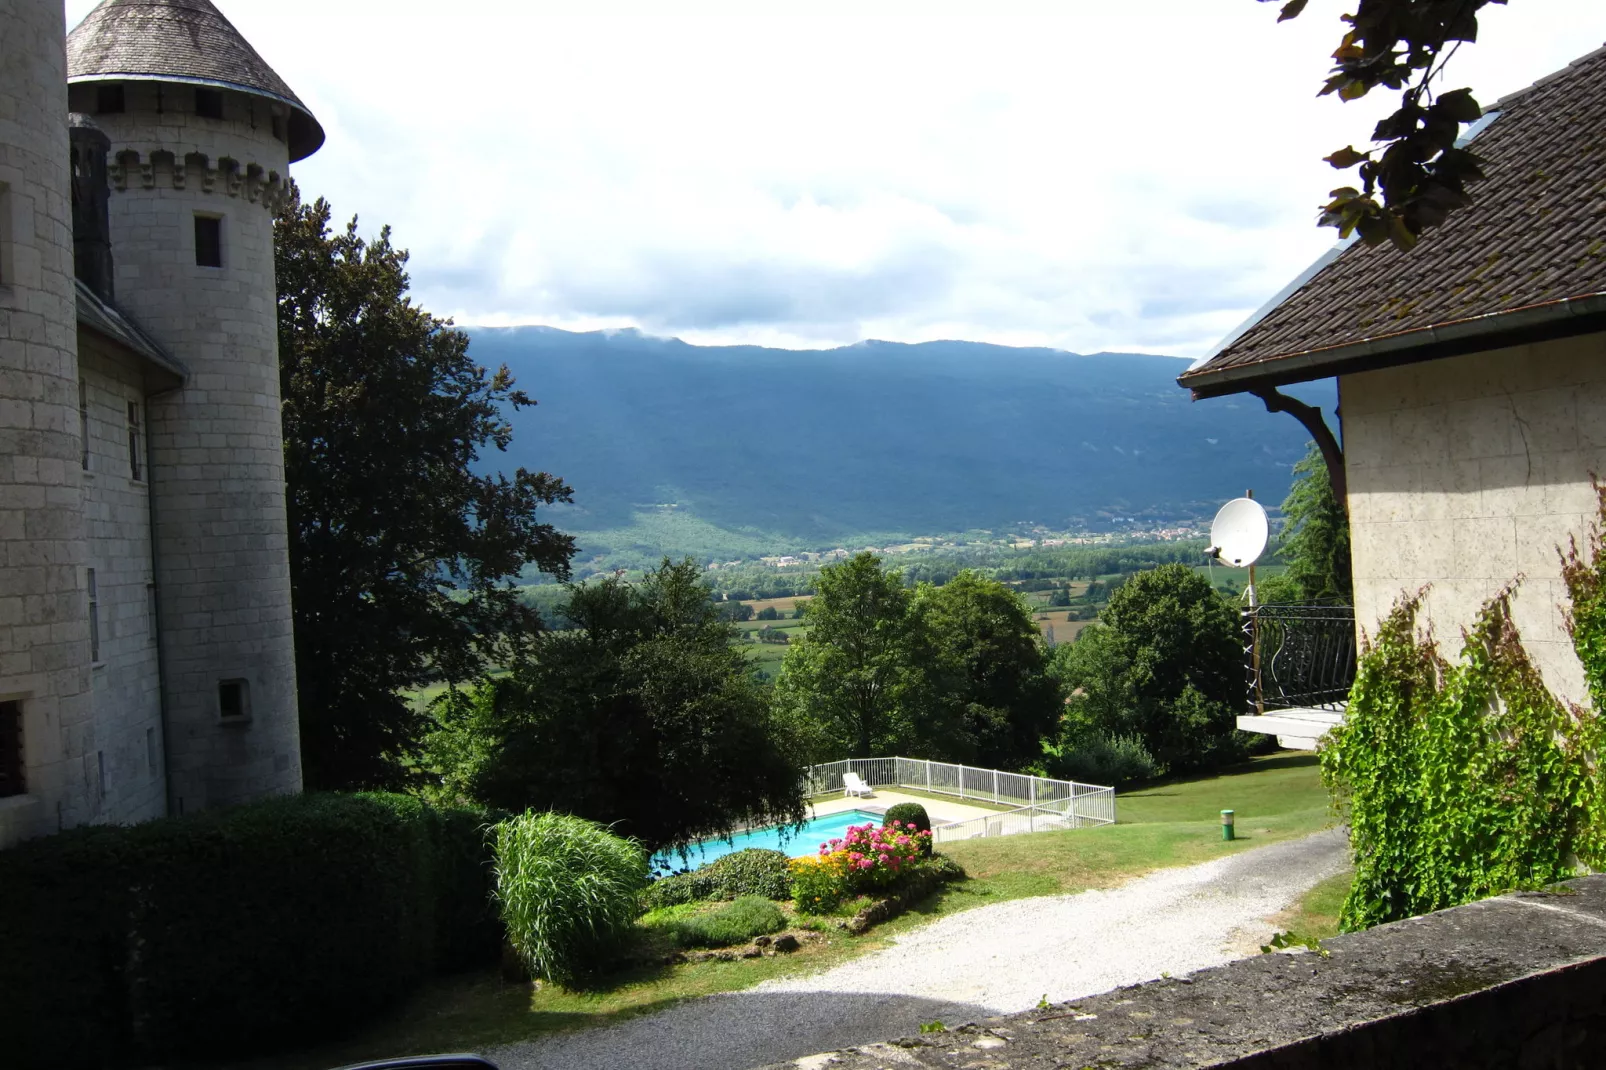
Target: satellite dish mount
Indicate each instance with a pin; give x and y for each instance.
(1238, 537)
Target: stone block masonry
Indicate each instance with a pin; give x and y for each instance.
(44, 622)
(1516, 981)
(216, 451)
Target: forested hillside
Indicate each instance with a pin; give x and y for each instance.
(755, 448)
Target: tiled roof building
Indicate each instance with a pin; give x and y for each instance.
(1471, 377)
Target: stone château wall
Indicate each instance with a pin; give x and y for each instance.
(44, 631)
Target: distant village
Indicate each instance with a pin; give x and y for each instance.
(1036, 539)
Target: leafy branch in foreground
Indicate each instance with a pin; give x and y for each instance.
(1402, 45)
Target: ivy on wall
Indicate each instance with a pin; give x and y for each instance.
(1464, 780)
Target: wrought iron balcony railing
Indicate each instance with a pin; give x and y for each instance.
(1299, 655)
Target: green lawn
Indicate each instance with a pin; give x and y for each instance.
(1168, 824)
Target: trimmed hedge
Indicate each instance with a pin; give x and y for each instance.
(754, 871)
(235, 930)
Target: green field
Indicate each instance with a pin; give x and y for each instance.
(1167, 824)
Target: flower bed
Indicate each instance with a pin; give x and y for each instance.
(865, 859)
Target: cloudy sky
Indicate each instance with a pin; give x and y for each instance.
(1088, 175)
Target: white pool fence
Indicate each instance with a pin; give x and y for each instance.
(1039, 804)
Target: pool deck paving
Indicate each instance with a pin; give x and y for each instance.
(941, 811)
(989, 960)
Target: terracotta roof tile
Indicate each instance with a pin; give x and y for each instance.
(1535, 235)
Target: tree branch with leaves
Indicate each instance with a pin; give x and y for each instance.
(1415, 176)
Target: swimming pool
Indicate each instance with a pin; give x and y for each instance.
(796, 844)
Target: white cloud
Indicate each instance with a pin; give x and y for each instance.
(1091, 176)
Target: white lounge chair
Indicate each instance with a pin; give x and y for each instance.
(853, 785)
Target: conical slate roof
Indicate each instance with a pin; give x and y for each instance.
(181, 41)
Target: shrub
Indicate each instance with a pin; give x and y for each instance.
(672, 891)
(820, 883)
(234, 929)
(568, 890)
(747, 917)
(909, 814)
(754, 871)
(945, 868)
(1097, 758)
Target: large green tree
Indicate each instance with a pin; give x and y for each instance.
(640, 714)
(993, 667)
(1165, 666)
(401, 553)
(863, 683)
(1315, 535)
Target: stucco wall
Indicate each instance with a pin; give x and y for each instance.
(216, 450)
(44, 630)
(127, 696)
(1468, 471)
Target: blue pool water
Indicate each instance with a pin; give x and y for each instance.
(795, 844)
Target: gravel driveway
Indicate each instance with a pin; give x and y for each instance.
(989, 960)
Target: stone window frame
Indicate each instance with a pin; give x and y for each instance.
(208, 102)
(111, 99)
(8, 264)
(13, 749)
(218, 219)
(93, 584)
(241, 700)
(83, 425)
(138, 464)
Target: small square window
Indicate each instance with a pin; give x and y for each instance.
(11, 767)
(233, 700)
(109, 100)
(208, 241)
(209, 103)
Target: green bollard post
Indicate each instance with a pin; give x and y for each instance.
(1226, 825)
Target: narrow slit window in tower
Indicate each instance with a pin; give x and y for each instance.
(109, 100)
(11, 768)
(150, 610)
(233, 700)
(6, 270)
(208, 241)
(94, 619)
(83, 423)
(209, 103)
(136, 441)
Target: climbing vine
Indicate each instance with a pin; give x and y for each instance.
(1463, 780)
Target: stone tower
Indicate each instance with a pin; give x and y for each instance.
(44, 659)
(202, 134)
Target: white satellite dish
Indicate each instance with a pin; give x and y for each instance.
(1238, 534)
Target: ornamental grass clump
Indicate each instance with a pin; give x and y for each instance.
(568, 891)
(865, 858)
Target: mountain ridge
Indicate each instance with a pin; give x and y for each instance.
(820, 445)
